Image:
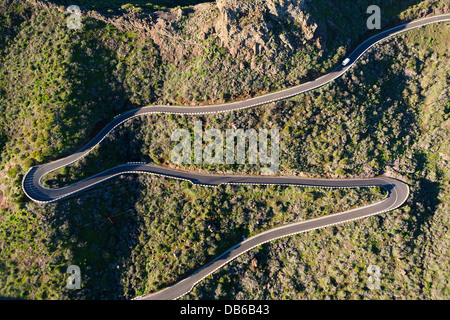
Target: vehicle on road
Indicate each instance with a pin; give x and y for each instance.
(345, 62)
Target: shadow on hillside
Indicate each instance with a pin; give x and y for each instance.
(99, 230)
(97, 94)
(424, 206)
(375, 113)
(390, 120)
(98, 227)
(344, 22)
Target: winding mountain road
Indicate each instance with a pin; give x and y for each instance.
(397, 191)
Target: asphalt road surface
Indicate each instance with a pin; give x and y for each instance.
(397, 190)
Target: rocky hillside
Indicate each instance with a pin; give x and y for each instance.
(246, 29)
(58, 87)
(266, 44)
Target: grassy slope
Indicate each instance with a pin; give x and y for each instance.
(54, 86)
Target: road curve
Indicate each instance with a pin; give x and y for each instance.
(397, 190)
(31, 183)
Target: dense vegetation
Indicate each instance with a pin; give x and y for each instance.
(409, 245)
(136, 234)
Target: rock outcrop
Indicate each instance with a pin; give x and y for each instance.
(251, 25)
(245, 28)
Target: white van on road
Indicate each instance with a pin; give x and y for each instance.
(345, 62)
